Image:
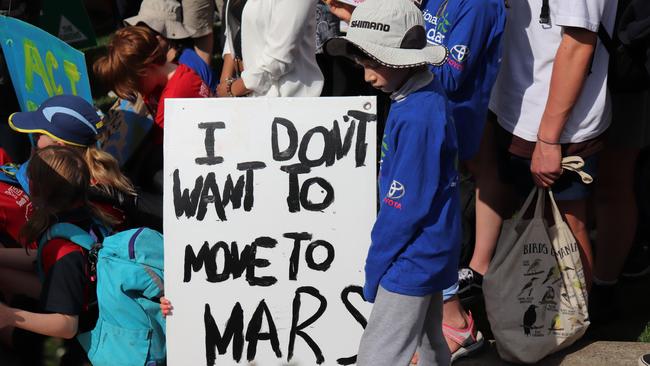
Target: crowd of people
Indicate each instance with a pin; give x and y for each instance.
(496, 90)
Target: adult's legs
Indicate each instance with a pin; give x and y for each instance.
(492, 199)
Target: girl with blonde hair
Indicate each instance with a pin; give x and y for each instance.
(60, 183)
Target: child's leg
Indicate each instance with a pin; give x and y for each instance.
(394, 329)
(433, 348)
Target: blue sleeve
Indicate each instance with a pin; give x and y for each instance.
(468, 36)
(408, 191)
(190, 58)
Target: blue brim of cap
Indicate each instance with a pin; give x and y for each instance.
(30, 122)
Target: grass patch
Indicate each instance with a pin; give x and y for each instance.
(52, 351)
(104, 103)
(645, 335)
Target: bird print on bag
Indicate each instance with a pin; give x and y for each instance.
(549, 296)
(530, 317)
(533, 269)
(552, 273)
(528, 286)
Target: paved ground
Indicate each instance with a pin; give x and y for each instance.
(584, 353)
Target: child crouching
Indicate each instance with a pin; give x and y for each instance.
(416, 237)
(59, 183)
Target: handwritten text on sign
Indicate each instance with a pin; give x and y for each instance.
(269, 205)
(41, 65)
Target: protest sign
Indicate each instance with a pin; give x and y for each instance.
(41, 65)
(352, 2)
(268, 208)
(68, 21)
(125, 128)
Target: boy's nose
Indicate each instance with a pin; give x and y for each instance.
(368, 76)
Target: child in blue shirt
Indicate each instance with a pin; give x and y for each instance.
(471, 30)
(415, 239)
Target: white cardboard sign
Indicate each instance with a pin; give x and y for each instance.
(268, 205)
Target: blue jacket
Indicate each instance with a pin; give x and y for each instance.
(416, 237)
(471, 30)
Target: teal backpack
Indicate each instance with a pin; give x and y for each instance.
(130, 330)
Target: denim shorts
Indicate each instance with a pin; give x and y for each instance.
(569, 187)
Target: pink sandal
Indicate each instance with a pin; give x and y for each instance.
(469, 339)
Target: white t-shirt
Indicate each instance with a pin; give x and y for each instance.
(520, 93)
(279, 48)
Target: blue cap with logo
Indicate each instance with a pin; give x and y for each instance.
(68, 118)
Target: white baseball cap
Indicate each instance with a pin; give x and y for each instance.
(389, 32)
(164, 17)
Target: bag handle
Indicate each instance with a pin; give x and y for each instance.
(575, 164)
(557, 216)
(539, 206)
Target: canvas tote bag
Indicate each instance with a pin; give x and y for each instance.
(535, 290)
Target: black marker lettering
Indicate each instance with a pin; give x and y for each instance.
(186, 203)
(361, 145)
(253, 332)
(326, 263)
(287, 153)
(297, 329)
(341, 147)
(194, 262)
(261, 242)
(234, 332)
(356, 314)
(249, 198)
(304, 194)
(210, 159)
(294, 260)
(327, 153)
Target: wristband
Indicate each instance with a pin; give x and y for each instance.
(547, 142)
(229, 82)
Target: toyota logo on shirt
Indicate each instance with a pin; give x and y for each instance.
(459, 52)
(396, 190)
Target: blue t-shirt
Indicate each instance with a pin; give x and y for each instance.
(416, 237)
(190, 58)
(471, 30)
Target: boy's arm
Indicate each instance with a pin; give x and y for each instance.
(54, 325)
(467, 38)
(414, 182)
(570, 71)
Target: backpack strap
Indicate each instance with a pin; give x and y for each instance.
(155, 279)
(15, 175)
(67, 231)
(22, 178)
(545, 13)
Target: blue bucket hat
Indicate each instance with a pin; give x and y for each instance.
(68, 118)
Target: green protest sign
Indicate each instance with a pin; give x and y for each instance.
(68, 21)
